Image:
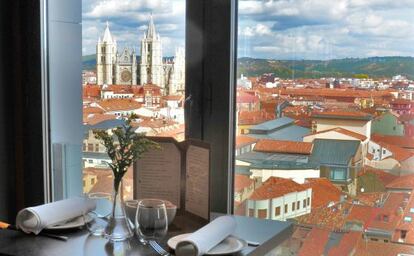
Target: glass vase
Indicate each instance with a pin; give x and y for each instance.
(118, 228)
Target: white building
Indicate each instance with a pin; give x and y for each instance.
(357, 122)
(151, 64)
(244, 82)
(297, 175)
(114, 67)
(279, 199)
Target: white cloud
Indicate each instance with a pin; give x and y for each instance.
(128, 20)
(257, 30)
(321, 29)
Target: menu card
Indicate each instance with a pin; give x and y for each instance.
(178, 172)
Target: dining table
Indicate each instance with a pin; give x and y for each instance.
(268, 234)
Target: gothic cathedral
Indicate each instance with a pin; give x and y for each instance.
(114, 67)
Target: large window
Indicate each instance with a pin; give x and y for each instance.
(133, 62)
(324, 117)
(108, 59)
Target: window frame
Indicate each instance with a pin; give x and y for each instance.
(211, 34)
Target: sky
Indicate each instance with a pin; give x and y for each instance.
(325, 29)
(273, 29)
(128, 20)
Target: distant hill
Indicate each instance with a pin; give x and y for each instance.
(374, 67)
(89, 62)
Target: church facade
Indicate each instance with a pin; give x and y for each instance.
(124, 68)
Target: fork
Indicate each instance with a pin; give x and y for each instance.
(158, 248)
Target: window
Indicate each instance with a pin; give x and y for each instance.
(277, 211)
(302, 78)
(338, 174)
(103, 36)
(403, 234)
(251, 212)
(262, 213)
(407, 219)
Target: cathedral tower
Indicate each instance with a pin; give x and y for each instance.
(105, 58)
(151, 64)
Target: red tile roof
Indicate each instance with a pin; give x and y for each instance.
(407, 225)
(406, 117)
(383, 176)
(362, 213)
(342, 114)
(276, 187)
(315, 242)
(402, 102)
(388, 216)
(327, 217)
(323, 192)
(254, 117)
(93, 119)
(279, 146)
(401, 141)
(244, 97)
(398, 153)
(347, 244)
(242, 141)
(370, 198)
(402, 182)
(119, 105)
(92, 110)
(335, 93)
(173, 97)
(91, 91)
(366, 247)
(343, 131)
(241, 182)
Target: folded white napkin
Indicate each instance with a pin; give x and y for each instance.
(34, 219)
(204, 239)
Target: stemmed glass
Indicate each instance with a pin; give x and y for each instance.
(151, 220)
(96, 221)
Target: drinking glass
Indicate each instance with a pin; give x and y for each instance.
(131, 211)
(151, 220)
(96, 220)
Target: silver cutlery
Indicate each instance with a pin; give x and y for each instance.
(154, 245)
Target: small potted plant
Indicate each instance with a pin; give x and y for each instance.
(124, 146)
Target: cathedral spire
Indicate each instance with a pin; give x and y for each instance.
(107, 35)
(151, 28)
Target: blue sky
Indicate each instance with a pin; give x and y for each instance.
(280, 29)
(128, 20)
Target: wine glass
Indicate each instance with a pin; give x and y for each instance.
(96, 221)
(151, 220)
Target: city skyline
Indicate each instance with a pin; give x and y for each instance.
(284, 30)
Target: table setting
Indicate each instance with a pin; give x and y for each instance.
(102, 223)
(149, 221)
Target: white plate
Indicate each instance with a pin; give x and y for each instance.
(229, 245)
(73, 223)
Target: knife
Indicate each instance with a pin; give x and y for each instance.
(4, 225)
